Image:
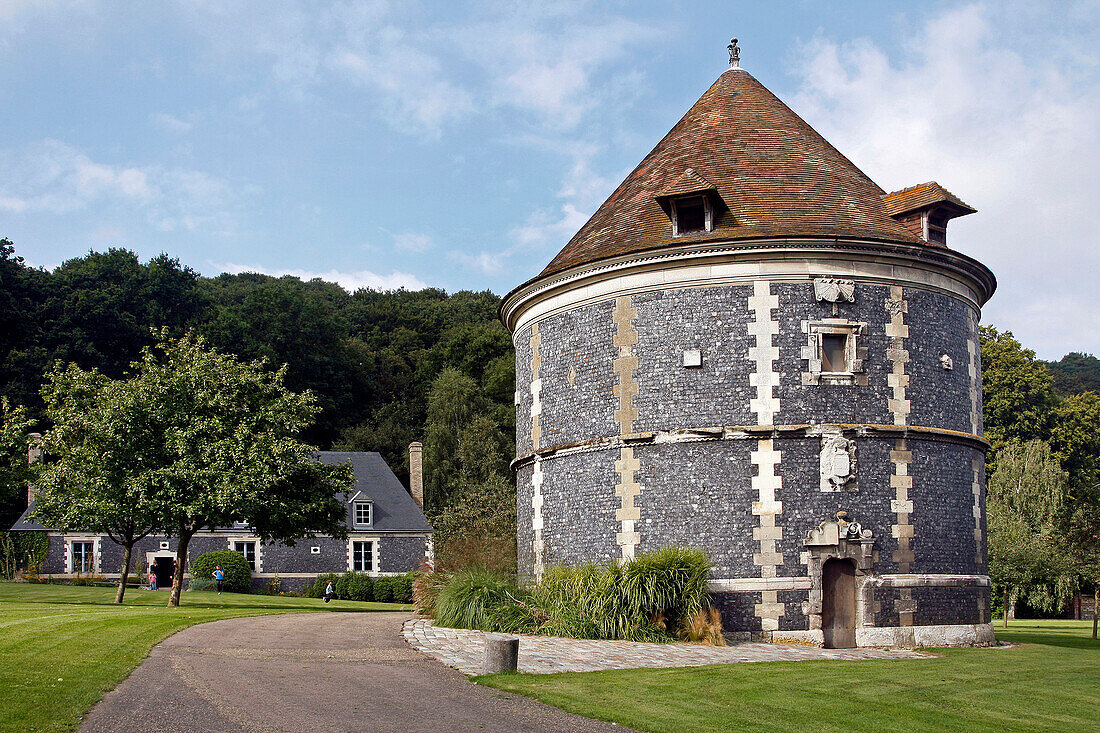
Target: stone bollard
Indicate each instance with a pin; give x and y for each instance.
(501, 653)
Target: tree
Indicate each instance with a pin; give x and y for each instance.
(452, 402)
(1075, 439)
(1017, 389)
(1075, 373)
(15, 472)
(229, 449)
(104, 444)
(1025, 510)
(1084, 543)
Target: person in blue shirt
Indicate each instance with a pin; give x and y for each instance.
(219, 577)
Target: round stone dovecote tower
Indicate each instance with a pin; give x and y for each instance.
(751, 348)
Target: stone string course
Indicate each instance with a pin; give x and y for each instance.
(464, 649)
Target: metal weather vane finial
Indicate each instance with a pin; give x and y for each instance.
(735, 54)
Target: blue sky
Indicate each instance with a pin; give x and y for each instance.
(460, 145)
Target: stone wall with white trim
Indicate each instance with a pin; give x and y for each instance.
(641, 448)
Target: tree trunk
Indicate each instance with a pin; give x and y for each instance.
(125, 572)
(1095, 607)
(1006, 607)
(181, 563)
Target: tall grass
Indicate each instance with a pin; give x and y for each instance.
(651, 598)
(466, 599)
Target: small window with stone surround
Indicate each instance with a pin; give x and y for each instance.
(362, 557)
(82, 553)
(248, 550)
(832, 353)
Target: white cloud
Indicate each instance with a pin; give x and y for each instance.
(487, 263)
(52, 177)
(545, 61)
(350, 281)
(170, 123)
(545, 228)
(1016, 136)
(415, 95)
(412, 242)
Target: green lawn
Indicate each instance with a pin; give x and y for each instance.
(1050, 681)
(63, 647)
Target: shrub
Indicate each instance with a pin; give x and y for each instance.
(403, 588)
(200, 584)
(383, 589)
(353, 586)
(238, 576)
(466, 599)
(317, 588)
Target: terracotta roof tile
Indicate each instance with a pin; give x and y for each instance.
(689, 182)
(921, 195)
(777, 176)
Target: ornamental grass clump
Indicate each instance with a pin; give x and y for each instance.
(654, 597)
(469, 595)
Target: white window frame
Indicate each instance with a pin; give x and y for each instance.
(231, 541)
(373, 542)
(355, 513)
(255, 552)
(708, 208)
(70, 559)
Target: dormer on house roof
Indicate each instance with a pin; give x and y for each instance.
(925, 210)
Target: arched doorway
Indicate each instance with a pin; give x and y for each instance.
(838, 603)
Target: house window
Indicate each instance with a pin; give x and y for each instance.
(364, 511)
(362, 557)
(691, 214)
(248, 549)
(83, 557)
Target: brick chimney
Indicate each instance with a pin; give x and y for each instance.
(34, 455)
(416, 472)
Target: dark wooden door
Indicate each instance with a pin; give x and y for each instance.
(164, 568)
(838, 603)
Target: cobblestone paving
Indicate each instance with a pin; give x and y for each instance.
(464, 650)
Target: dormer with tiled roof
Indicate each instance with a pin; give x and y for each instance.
(925, 210)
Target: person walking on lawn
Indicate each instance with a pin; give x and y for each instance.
(219, 577)
(152, 579)
(329, 592)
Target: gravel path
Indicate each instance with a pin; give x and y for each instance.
(464, 650)
(310, 672)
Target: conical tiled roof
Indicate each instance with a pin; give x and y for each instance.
(775, 175)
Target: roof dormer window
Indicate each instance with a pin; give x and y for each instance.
(690, 202)
(691, 214)
(364, 513)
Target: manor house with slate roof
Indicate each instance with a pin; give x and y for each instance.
(753, 349)
(387, 535)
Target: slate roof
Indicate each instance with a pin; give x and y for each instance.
(775, 176)
(922, 195)
(394, 508)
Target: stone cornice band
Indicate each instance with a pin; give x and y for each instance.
(795, 259)
(749, 432)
